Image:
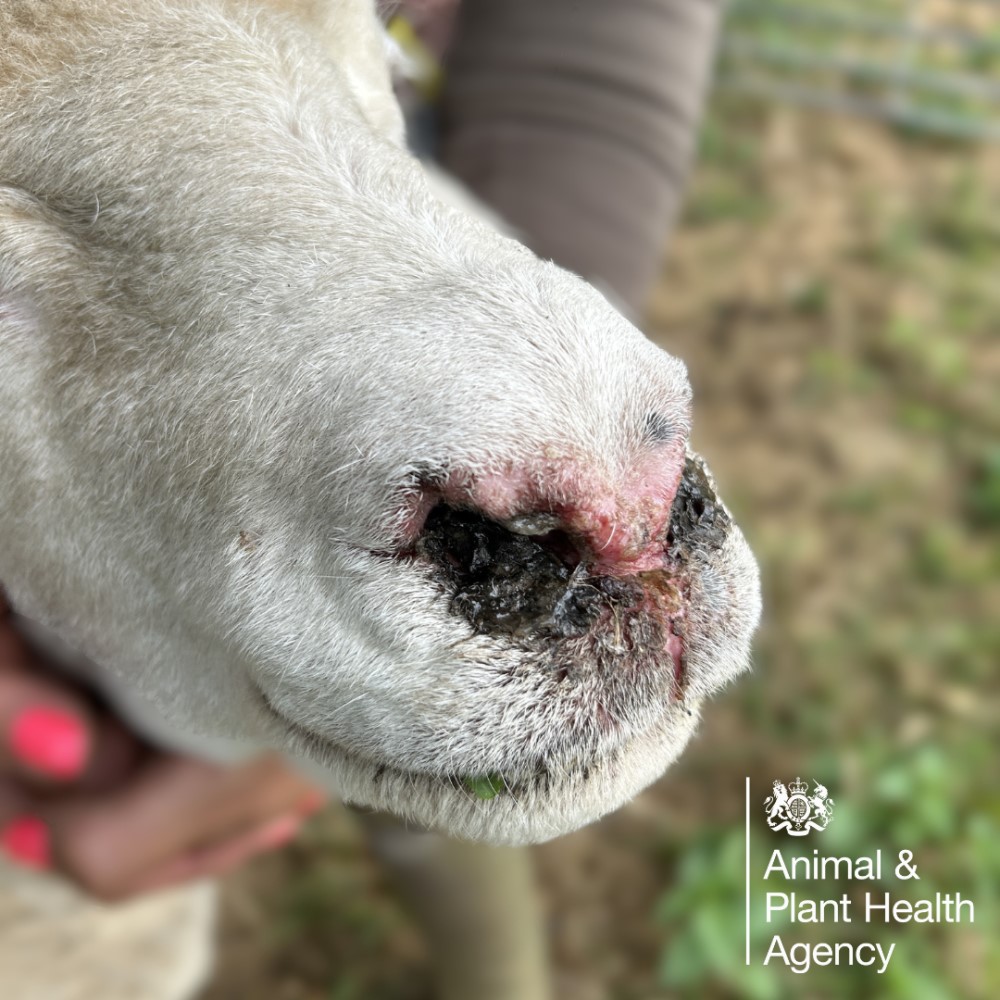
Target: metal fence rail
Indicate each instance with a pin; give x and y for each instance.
(930, 65)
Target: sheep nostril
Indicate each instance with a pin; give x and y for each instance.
(501, 581)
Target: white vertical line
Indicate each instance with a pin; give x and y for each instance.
(748, 869)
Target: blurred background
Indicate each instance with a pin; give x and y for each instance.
(833, 287)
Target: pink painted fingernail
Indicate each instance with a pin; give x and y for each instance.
(50, 741)
(25, 841)
(278, 833)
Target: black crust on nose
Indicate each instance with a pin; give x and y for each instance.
(697, 520)
(538, 586)
(504, 582)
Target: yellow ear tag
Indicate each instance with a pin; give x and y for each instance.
(422, 69)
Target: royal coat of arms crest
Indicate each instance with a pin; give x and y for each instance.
(796, 810)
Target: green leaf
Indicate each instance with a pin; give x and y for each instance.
(485, 786)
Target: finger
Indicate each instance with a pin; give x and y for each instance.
(46, 728)
(213, 862)
(115, 754)
(174, 806)
(24, 838)
(52, 732)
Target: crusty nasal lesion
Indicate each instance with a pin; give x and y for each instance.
(534, 587)
(546, 596)
(698, 522)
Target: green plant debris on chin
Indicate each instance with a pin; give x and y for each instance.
(485, 786)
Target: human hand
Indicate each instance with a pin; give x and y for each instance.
(82, 795)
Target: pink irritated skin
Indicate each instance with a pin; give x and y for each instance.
(625, 530)
(621, 525)
(416, 507)
(665, 599)
(675, 649)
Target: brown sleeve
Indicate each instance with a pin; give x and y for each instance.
(576, 121)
